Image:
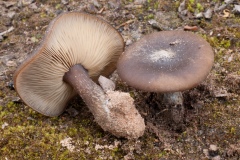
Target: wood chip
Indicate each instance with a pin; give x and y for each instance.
(226, 13)
(190, 28)
(125, 23)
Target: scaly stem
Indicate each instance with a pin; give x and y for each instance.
(91, 93)
(114, 111)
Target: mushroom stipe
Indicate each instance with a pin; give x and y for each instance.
(116, 115)
(76, 50)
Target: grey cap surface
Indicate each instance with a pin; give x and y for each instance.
(166, 61)
(71, 38)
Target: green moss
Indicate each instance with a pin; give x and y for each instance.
(191, 2)
(177, 4)
(225, 43)
(162, 154)
(3, 114)
(58, 6)
(2, 95)
(194, 6)
(232, 130)
(72, 131)
(149, 16)
(156, 5)
(190, 5)
(11, 106)
(199, 7)
(190, 8)
(213, 41)
(43, 15)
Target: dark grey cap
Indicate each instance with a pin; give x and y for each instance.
(166, 61)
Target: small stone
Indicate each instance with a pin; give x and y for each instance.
(213, 147)
(140, 1)
(236, 8)
(152, 21)
(30, 118)
(182, 6)
(154, 24)
(136, 35)
(184, 12)
(5, 124)
(228, 1)
(213, 151)
(15, 99)
(11, 64)
(27, 2)
(2, 78)
(1, 38)
(34, 39)
(205, 152)
(106, 84)
(208, 13)
(33, 6)
(64, 2)
(9, 4)
(72, 111)
(128, 42)
(11, 14)
(199, 15)
(10, 85)
(221, 92)
(91, 8)
(22, 3)
(96, 4)
(216, 158)
(114, 4)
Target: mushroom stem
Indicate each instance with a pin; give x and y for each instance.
(113, 111)
(91, 93)
(174, 101)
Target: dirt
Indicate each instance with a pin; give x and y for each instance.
(211, 125)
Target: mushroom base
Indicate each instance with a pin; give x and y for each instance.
(114, 111)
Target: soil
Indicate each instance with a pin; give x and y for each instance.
(210, 128)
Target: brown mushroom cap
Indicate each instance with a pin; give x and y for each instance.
(166, 61)
(72, 38)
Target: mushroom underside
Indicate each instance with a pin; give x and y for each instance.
(71, 38)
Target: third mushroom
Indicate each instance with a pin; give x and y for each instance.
(167, 62)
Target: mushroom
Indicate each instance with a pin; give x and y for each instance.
(77, 49)
(167, 62)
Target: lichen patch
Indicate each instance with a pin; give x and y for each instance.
(67, 142)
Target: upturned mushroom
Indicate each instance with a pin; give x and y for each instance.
(167, 62)
(76, 50)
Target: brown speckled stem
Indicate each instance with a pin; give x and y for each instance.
(91, 93)
(114, 111)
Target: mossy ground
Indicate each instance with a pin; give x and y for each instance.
(209, 119)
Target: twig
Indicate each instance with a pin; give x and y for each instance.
(223, 6)
(127, 22)
(7, 31)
